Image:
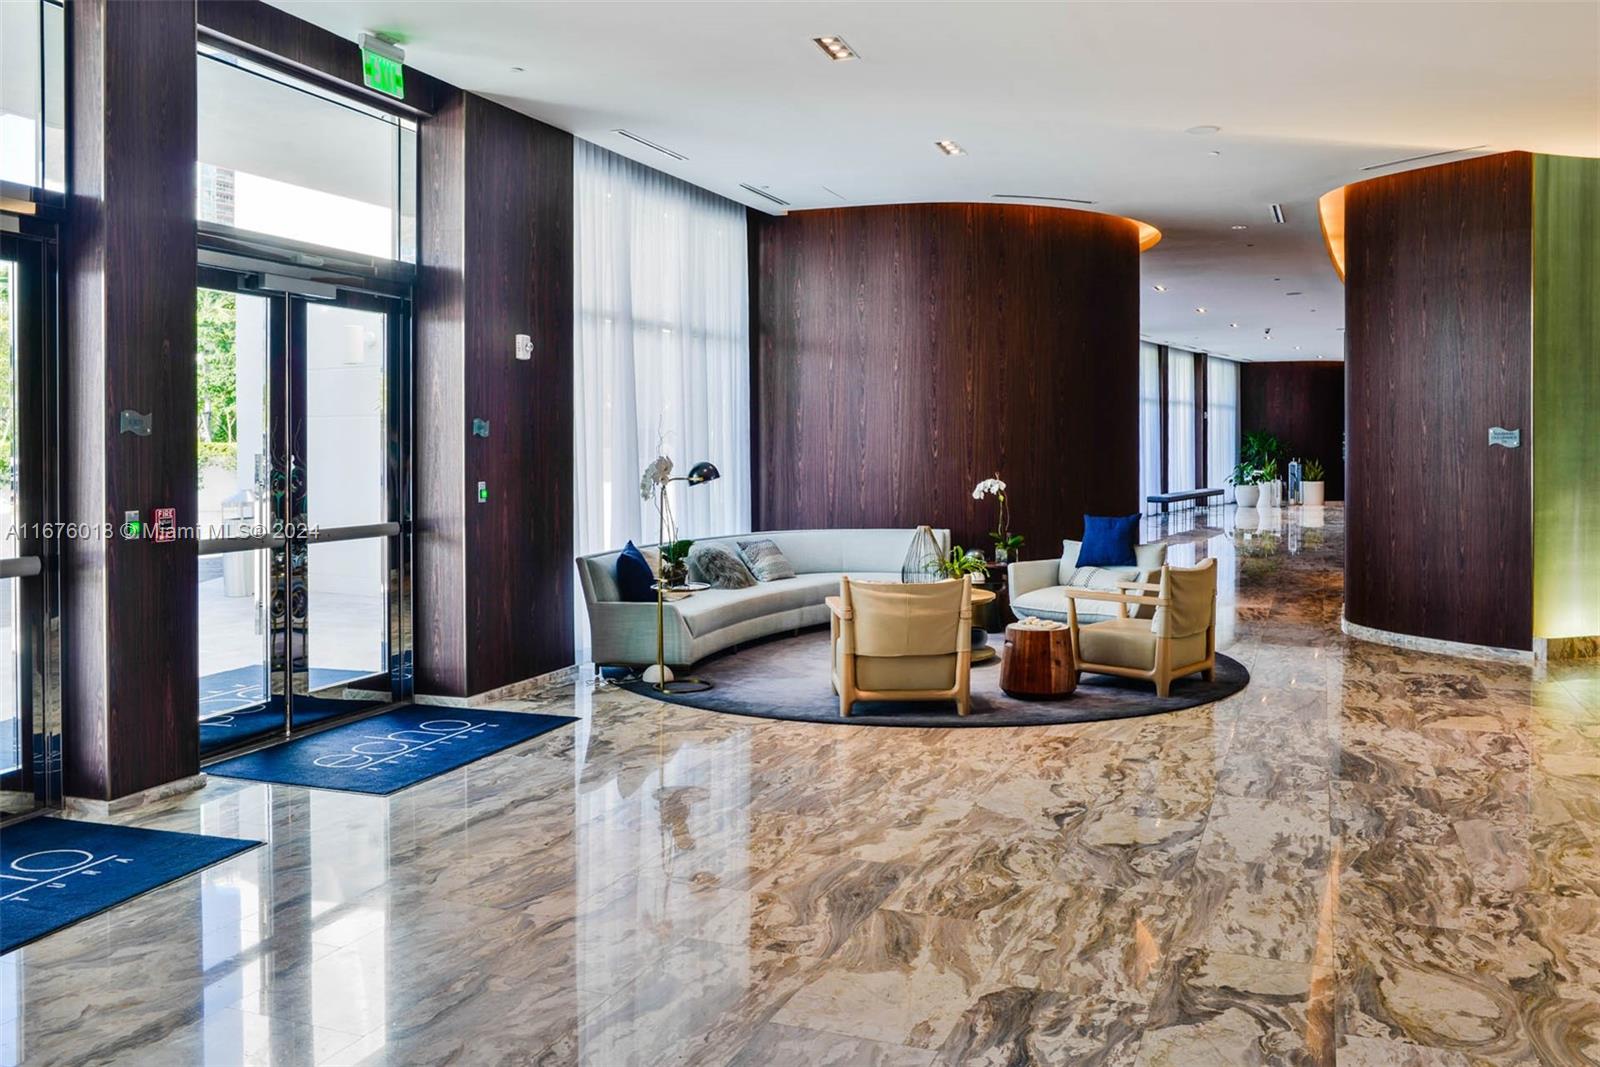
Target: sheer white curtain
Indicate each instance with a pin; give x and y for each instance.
(1180, 419)
(1149, 422)
(1222, 421)
(662, 350)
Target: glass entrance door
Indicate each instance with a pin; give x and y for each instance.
(30, 738)
(303, 563)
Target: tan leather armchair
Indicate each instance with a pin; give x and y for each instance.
(1180, 640)
(894, 641)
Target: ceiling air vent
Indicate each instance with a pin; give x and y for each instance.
(1430, 155)
(763, 194)
(1031, 196)
(1277, 213)
(636, 139)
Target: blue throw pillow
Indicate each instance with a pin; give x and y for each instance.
(1108, 541)
(635, 580)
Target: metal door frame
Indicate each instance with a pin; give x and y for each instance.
(293, 280)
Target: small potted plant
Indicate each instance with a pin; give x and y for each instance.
(1313, 490)
(1006, 543)
(1271, 488)
(675, 563)
(959, 561)
(1246, 481)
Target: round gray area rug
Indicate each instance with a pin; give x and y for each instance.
(787, 678)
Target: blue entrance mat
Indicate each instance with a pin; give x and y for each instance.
(388, 752)
(54, 872)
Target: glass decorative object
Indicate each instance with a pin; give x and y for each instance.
(922, 558)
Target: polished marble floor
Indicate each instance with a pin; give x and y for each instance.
(1368, 856)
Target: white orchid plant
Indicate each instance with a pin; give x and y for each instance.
(1005, 542)
(653, 487)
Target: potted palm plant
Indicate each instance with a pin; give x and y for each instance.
(1313, 489)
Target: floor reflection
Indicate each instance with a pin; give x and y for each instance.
(1368, 855)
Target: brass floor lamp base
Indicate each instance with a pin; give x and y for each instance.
(682, 685)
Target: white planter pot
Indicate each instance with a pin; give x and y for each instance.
(1247, 496)
(1311, 493)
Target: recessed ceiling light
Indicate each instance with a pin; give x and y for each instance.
(1297, 348)
(1233, 325)
(1238, 226)
(950, 148)
(1159, 288)
(1200, 311)
(835, 48)
(518, 70)
(1295, 293)
(1203, 131)
(1215, 152)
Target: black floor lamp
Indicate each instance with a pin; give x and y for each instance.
(660, 676)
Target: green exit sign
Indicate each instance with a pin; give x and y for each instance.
(384, 74)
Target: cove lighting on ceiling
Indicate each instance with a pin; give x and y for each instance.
(950, 148)
(835, 48)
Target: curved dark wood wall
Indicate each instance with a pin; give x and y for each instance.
(903, 353)
(1438, 349)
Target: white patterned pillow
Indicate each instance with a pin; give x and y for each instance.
(765, 560)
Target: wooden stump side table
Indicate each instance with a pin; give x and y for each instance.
(1038, 663)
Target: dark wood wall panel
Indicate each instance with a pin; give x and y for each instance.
(903, 353)
(494, 579)
(1438, 325)
(1303, 403)
(129, 607)
(439, 543)
(519, 280)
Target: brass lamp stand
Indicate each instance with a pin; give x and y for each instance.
(660, 676)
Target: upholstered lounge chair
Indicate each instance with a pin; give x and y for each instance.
(1038, 587)
(895, 641)
(1180, 639)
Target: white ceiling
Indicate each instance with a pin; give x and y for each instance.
(1083, 100)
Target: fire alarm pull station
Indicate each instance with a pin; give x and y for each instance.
(166, 524)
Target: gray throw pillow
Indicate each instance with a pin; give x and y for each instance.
(719, 568)
(765, 560)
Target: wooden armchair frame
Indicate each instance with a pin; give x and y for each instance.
(1164, 671)
(841, 625)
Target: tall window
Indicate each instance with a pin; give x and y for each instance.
(661, 347)
(33, 144)
(1222, 421)
(282, 158)
(1149, 422)
(1180, 420)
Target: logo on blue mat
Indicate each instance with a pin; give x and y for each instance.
(372, 751)
(50, 868)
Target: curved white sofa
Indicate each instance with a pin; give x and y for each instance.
(711, 620)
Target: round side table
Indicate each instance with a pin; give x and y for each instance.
(982, 651)
(1038, 663)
